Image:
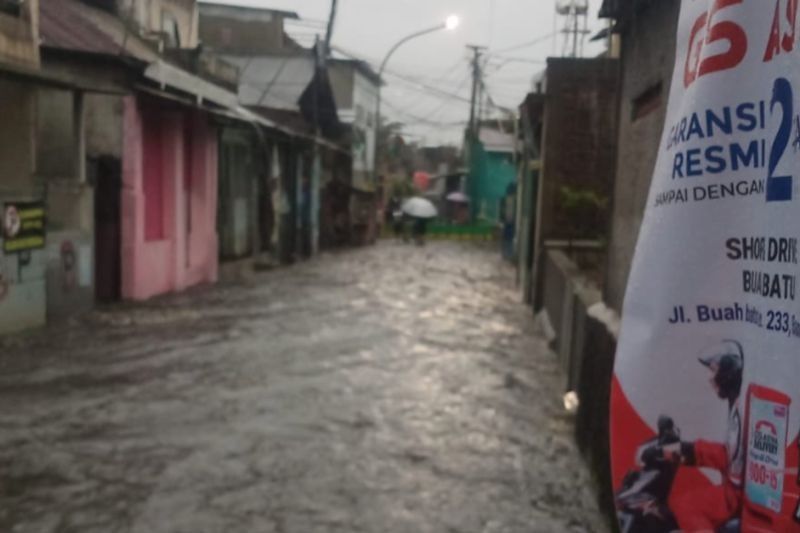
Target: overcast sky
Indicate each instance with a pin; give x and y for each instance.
(368, 28)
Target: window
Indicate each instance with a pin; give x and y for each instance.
(649, 101)
(11, 7)
(170, 30)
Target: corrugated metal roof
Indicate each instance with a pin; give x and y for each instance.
(75, 26)
(63, 25)
(216, 7)
(273, 81)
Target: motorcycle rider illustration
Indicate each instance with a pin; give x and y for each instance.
(715, 508)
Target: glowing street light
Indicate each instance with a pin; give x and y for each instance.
(452, 22)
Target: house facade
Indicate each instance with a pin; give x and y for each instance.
(282, 82)
(151, 150)
(356, 88)
(23, 256)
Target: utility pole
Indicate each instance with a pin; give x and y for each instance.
(575, 15)
(331, 24)
(575, 32)
(476, 84)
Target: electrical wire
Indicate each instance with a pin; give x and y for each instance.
(445, 103)
(526, 44)
(423, 120)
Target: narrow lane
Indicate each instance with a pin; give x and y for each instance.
(391, 389)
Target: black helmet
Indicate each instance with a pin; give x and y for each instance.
(727, 361)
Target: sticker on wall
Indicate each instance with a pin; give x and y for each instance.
(68, 266)
(705, 408)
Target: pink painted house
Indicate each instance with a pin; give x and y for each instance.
(169, 198)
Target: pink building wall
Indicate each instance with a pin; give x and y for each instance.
(170, 244)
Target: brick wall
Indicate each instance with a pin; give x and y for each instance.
(579, 138)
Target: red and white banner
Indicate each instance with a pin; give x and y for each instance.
(706, 392)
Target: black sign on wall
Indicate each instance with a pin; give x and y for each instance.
(23, 226)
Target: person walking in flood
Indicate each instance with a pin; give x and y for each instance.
(420, 229)
(421, 210)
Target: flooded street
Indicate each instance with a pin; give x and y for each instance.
(390, 389)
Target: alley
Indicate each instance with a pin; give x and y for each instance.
(389, 389)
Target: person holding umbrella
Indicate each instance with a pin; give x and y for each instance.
(420, 210)
(395, 216)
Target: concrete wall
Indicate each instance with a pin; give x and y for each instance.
(239, 31)
(17, 147)
(365, 104)
(19, 35)
(585, 337)
(356, 97)
(22, 283)
(342, 77)
(60, 155)
(104, 125)
(648, 56)
(184, 256)
(22, 292)
(151, 15)
(55, 146)
(70, 272)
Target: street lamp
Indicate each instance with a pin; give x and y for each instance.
(451, 23)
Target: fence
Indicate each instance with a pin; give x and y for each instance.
(458, 232)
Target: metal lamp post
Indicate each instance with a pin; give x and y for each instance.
(451, 23)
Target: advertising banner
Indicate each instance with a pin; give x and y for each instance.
(23, 226)
(705, 408)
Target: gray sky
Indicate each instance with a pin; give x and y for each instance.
(369, 28)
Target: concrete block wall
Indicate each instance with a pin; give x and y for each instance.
(597, 349)
(585, 343)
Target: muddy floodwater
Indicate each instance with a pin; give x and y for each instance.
(392, 389)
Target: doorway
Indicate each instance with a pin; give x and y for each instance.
(107, 229)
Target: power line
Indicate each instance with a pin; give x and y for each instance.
(462, 84)
(423, 120)
(526, 44)
(436, 91)
(409, 79)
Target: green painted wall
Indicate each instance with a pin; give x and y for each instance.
(490, 175)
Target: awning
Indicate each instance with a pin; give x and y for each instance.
(238, 112)
(165, 75)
